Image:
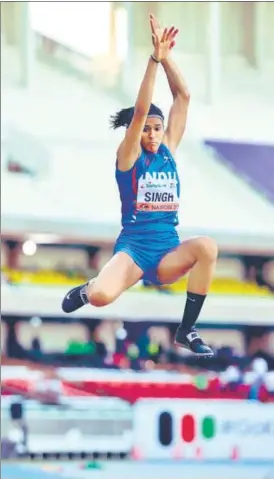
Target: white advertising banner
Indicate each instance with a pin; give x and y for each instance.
(203, 429)
(101, 425)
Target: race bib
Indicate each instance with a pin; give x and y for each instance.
(157, 192)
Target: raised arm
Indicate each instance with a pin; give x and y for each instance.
(130, 148)
(178, 112)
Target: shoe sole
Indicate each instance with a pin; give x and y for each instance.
(198, 355)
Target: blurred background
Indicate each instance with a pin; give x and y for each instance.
(109, 383)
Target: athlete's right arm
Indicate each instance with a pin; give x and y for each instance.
(129, 150)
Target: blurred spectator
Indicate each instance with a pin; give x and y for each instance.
(259, 368)
(119, 345)
(36, 351)
(48, 388)
(231, 378)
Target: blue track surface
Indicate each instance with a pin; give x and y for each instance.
(144, 470)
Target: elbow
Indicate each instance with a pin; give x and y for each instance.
(187, 96)
(184, 96)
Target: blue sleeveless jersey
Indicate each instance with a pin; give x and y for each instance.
(150, 191)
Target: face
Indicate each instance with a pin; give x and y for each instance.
(152, 135)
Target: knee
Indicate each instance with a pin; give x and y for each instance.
(207, 249)
(99, 297)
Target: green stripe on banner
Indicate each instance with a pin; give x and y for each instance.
(208, 427)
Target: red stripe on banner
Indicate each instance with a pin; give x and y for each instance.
(188, 428)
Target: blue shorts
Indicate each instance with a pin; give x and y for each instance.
(147, 249)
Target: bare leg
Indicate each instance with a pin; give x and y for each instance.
(197, 255)
(119, 274)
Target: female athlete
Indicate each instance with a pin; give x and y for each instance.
(148, 246)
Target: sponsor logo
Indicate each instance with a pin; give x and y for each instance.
(152, 185)
(157, 206)
(208, 427)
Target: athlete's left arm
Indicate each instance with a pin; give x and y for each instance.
(178, 112)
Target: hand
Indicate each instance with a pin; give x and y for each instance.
(163, 39)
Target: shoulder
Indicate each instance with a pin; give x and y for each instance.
(137, 164)
(168, 144)
(165, 151)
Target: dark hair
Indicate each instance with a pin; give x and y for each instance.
(124, 117)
